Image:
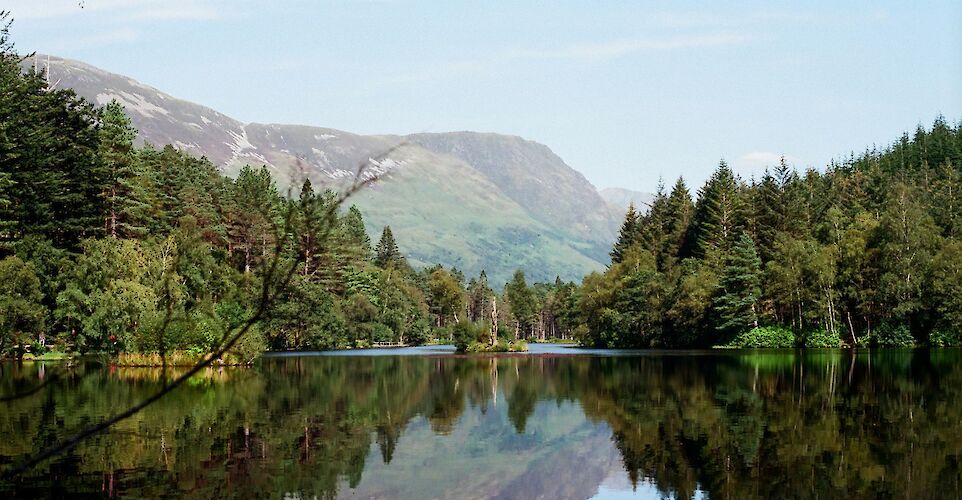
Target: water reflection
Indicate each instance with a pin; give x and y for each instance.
(729, 424)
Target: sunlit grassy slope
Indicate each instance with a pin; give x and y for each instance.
(442, 210)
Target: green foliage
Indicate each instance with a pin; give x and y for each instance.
(892, 334)
(719, 213)
(150, 251)
(143, 249)
(53, 177)
(521, 299)
(627, 236)
(872, 240)
(499, 346)
(468, 333)
(445, 294)
(822, 339)
(945, 337)
(764, 337)
(386, 253)
(738, 290)
(22, 315)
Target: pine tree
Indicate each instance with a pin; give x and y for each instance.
(479, 298)
(522, 302)
(356, 234)
(308, 225)
(627, 236)
(738, 289)
(718, 214)
(653, 224)
(947, 200)
(253, 215)
(679, 212)
(127, 204)
(386, 253)
(48, 149)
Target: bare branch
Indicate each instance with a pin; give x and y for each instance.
(268, 294)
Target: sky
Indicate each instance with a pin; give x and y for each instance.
(625, 92)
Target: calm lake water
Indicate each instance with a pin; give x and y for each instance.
(556, 423)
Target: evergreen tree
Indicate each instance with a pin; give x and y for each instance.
(49, 151)
(718, 213)
(480, 298)
(522, 302)
(678, 218)
(125, 196)
(627, 236)
(947, 286)
(947, 200)
(253, 215)
(652, 226)
(356, 233)
(386, 253)
(738, 289)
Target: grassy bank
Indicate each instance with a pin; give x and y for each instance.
(176, 358)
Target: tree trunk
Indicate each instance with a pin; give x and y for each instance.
(852, 329)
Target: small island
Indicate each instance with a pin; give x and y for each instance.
(481, 336)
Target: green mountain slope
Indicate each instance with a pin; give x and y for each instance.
(475, 201)
(442, 210)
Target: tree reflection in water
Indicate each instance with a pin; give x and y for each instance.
(734, 424)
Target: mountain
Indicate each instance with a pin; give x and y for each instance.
(619, 199)
(531, 174)
(470, 200)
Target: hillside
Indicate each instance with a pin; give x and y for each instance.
(465, 199)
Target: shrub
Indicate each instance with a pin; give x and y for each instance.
(518, 346)
(946, 337)
(891, 334)
(500, 346)
(382, 333)
(419, 333)
(765, 336)
(467, 333)
(248, 348)
(822, 339)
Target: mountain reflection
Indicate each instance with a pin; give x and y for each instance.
(731, 424)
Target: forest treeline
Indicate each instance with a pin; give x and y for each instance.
(111, 247)
(867, 252)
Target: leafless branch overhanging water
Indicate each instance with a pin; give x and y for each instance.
(275, 281)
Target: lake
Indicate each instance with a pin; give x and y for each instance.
(555, 423)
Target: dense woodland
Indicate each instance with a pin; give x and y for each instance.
(866, 253)
(112, 247)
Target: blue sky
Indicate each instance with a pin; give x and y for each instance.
(625, 92)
